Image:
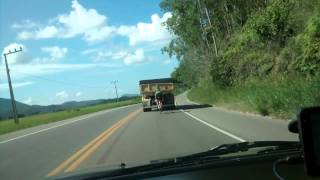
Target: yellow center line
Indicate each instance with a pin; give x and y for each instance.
(88, 149)
(78, 153)
(84, 156)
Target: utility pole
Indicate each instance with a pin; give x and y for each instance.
(13, 102)
(115, 87)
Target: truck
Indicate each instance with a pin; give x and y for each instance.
(148, 88)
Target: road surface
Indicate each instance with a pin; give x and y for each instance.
(127, 135)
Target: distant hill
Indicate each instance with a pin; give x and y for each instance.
(129, 95)
(27, 110)
(5, 107)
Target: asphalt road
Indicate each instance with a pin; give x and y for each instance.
(127, 135)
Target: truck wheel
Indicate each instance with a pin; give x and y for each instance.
(144, 109)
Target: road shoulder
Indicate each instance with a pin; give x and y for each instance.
(249, 127)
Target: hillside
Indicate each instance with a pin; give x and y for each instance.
(27, 110)
(5, 105)
(262, 56)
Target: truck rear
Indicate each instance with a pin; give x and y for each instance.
(148, 89)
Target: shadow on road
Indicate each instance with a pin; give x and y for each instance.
(193, 106)
(186, 108)
(170, 112)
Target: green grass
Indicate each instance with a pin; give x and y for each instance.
(7, 126)
(279, 97)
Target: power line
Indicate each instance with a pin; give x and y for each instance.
(61, 82)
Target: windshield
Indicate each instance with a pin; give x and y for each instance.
(97, 84)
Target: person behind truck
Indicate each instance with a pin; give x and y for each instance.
(158, 95)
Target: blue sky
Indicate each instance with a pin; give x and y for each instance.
(72, 50)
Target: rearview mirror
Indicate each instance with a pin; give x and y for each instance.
(309, 134)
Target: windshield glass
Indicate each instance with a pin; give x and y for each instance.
(87, 84)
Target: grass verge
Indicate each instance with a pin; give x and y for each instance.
(279, 97)
(7, 126)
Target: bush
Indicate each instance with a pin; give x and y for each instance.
(273, 23)
(280, 96)
(310, 41)
(257, 48)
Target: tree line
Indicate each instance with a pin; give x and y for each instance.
(230, 41)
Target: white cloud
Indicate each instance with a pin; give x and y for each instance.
(47, 32)
(80, 21)
(98, 34)
(119, 55)
(89, 51)
(23, 71)
(24, 35)
(62, 95)
(16, 58)
(127, 57)
(29, 101)
(102, 55)
(85, 21)
(78, 94)
(147, 32)
(5, 86)
(134, 58)
(40, 33)
(93, 27)
(22, 84)
(25, 24)
(55, 52)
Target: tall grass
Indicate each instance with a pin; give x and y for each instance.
(7, 126)
(276, 96)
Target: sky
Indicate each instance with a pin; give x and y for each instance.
(72, 50)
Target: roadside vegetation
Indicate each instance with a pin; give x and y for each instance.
(256, 56)
(279, 97)
(7, 126)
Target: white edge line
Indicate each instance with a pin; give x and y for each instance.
(62, 124)
(213, 127)
(36, 132)
(210, 125)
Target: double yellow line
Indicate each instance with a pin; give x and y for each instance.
(76, 159)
